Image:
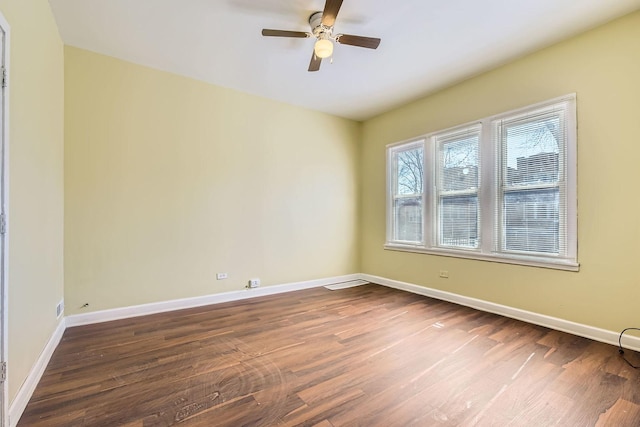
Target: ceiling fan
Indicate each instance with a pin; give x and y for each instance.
(322, 29)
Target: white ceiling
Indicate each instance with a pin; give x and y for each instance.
(426, 44)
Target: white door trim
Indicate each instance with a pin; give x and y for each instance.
(4, 200)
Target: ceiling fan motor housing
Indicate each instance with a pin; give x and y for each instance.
(319, 30)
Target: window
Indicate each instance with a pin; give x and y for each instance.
(407, 182)
(501, 189)
(532, 149)
(457, 183)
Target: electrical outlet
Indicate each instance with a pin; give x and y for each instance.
(222, 276)
(254, 283)
(444, 274)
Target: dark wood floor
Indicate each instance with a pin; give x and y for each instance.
(364, 356)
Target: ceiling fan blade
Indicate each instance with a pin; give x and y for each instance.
(368, 42)
(284, 33)
(314, 65)
(330, 12)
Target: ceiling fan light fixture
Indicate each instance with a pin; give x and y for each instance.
(323, 48)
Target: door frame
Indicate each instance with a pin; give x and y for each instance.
(4, 203)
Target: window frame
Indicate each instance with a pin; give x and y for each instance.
(439, 194)
(490, 163)
(392, 184)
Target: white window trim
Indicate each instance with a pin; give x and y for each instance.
(434, 200)
(391, 181)
(487, 229)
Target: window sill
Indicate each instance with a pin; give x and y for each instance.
(556, 264)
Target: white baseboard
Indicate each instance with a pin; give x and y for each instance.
(164, 306)
(597, 334)
(19, 403)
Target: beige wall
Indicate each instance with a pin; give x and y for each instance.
(603, 68)
(169, 180)
(36, 182)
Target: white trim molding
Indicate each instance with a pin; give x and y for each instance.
(179, 304)
(586, 331)
(4, 280)
(28, 387)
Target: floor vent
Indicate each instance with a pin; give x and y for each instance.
(344, 285)
(59, 309)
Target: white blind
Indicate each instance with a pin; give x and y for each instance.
(532, 200)
(457, 181)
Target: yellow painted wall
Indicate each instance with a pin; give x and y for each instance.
(603, 67)
(35, 182)
(169, 180)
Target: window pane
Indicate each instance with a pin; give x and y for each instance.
(532, 151)
(532, 221)
(459, 163)
(409, 167)
(459, 221)
(408, 219)
(407, 194)
(458, 181)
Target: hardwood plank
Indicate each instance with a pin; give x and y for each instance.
(622, 413)
(363, 356)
